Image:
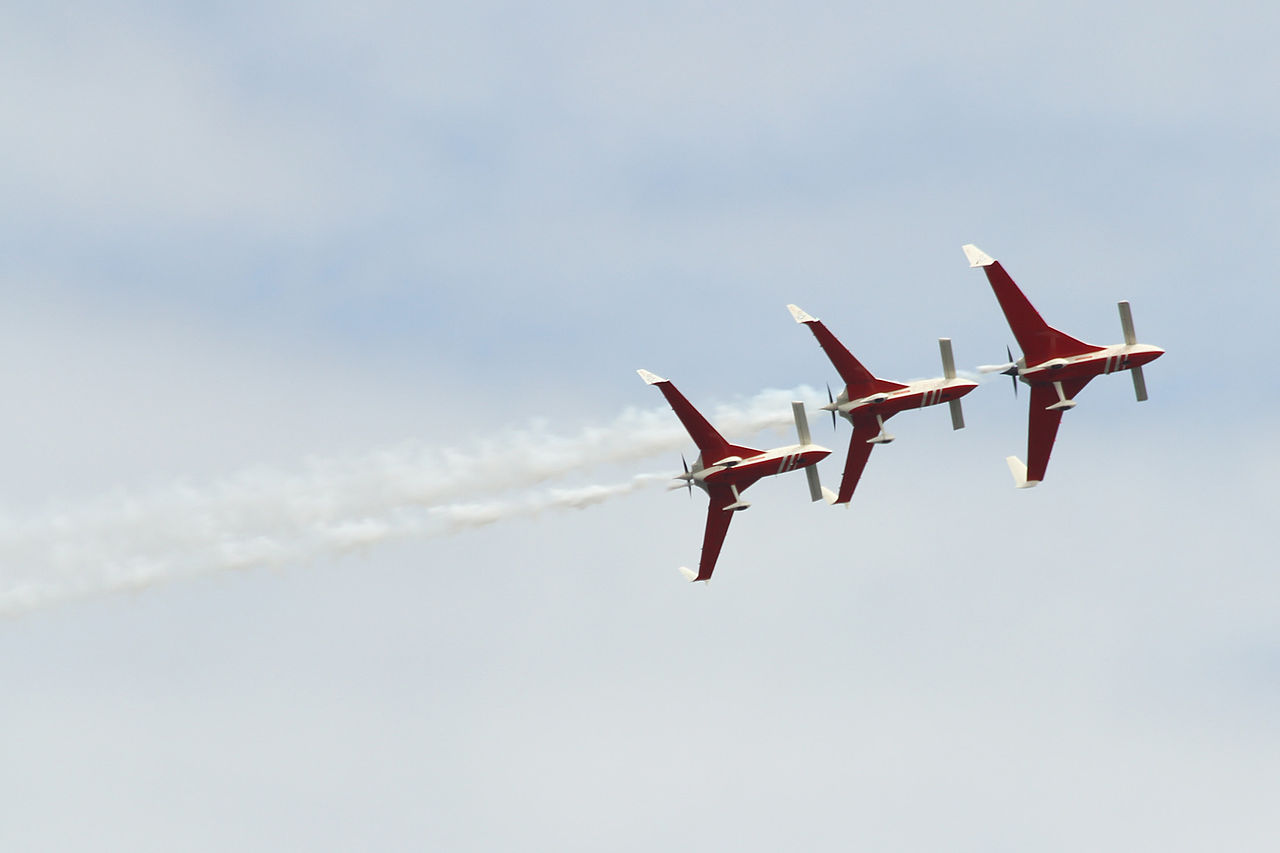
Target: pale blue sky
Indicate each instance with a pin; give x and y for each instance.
(236, 239)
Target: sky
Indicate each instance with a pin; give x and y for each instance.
(333, 514)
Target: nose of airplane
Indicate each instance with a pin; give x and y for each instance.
(1151, 353)
(816, 453)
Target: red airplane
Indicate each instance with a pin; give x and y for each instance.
(867, 402)
(725, 470)
(1054, 364)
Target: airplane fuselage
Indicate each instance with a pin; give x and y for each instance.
(916, 395)
(744, 472)
(1088, 365)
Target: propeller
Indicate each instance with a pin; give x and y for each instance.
(832, 400)
(1009, 368)
(688, 479)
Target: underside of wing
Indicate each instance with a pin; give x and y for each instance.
(858, 381)
(1042, 428)
(740, 450)
(864, 428)
(718, 519)
(1039, 341)
(710, 442)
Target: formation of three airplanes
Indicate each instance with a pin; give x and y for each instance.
(1053, 363)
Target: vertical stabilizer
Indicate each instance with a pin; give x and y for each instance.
(1019, 471)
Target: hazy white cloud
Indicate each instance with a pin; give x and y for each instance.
(432, 219)
(127, 121)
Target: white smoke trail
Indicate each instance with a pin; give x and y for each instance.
(263, 517)
(452, 518)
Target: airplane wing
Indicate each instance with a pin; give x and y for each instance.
(1043, 426)
(858, 381)
(718, 519)
(1039, 341)
(864, 428)
(711, 444)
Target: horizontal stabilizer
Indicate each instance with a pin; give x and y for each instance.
(977, 257)
(802, 423)
(1126, 323)
(1019, 472)
(948, 358)
(815, 485)
(800, 314)
(650, 378)
(1139, 383)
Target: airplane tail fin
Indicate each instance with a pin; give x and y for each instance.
(710, 442)
(1019, 471)
(1039, 341)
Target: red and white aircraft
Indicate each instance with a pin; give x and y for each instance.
(1054, 364)
(725, 470)
(867, 402)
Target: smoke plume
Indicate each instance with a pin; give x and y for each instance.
(262, 517)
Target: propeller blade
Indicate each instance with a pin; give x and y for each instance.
(688, 481)
(1009, 368)
(1012, 372)
(832, 401)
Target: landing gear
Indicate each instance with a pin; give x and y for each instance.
(1063, 402)
(883, 437)
(738, 502)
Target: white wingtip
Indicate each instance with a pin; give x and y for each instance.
(650, 378)
(1019, 471)
(829, 495)
(689, 574)
(800, 314)
(977, 257)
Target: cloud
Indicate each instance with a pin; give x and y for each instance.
(125, 121)
(508, 208)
